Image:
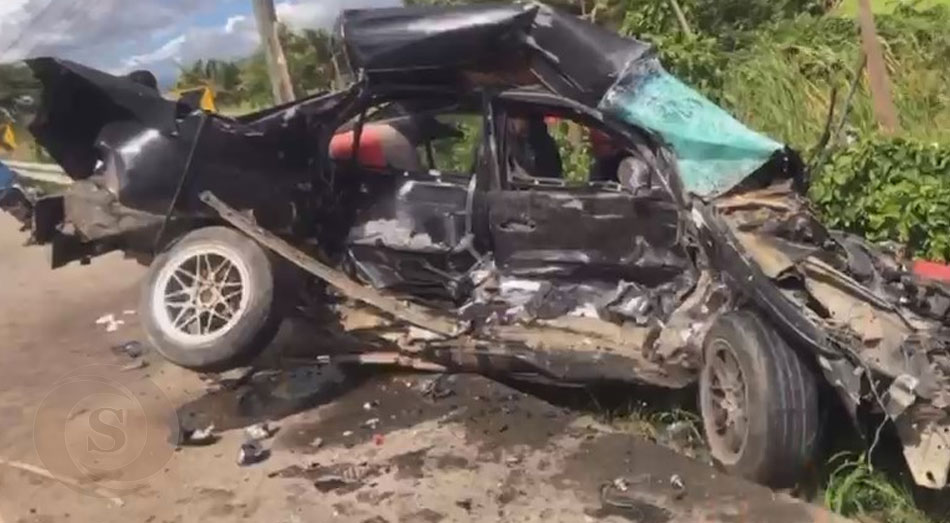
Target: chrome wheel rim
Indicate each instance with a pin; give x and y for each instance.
(201, 293)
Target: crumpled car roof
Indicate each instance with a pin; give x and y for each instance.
(588, 57)
(574, 58)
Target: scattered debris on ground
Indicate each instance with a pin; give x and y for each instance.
(678, 486)
(132, 349)
(197, 437)
(251, 452)
(260, 431)
(135, 365)
(341, 477)
(618, 499)
(110, 322)
(438, 388)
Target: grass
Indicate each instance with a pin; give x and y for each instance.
(791, 71)
(675, 428)
(854, 488)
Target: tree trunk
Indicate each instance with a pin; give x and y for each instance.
(883, 102)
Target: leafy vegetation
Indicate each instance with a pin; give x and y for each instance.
(245, 83)
(457, 154)
(890, 189)
(778, 76)
(574, 147)
(18, 91)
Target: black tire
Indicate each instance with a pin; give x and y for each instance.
(780, 398)
(253, 327)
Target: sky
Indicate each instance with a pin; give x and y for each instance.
(123, 35)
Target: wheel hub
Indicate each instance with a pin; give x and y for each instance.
(207, 297)
(200, 295)
(726, 401)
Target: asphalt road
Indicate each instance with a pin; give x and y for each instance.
(368, 447)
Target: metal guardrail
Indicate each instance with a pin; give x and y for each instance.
(45, 172)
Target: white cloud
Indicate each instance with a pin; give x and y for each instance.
(12, 12)
(236, 38)
(233, 22)
(122, 35)
(169, 51)
(86, 30)
(321, 14)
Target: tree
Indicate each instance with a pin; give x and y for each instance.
(19, 90)
(222, 77)
(255, 81)
(310, 60)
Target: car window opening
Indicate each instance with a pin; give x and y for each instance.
(558, 147)
(399, 138)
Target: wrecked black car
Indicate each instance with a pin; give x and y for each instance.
(440, 191)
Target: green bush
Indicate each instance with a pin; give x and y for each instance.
(889, 189)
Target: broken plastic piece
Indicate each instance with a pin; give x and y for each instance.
(901, 395)
(132, 349)
(260, 431)
(199, 437)
(678, 485)
(251, 452)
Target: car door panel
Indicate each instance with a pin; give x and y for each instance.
(407, 233)
(585, 234)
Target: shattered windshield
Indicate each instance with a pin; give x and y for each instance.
(713, 151)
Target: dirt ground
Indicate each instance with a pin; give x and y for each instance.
(361, 447)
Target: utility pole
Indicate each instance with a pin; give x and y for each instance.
(266, 16)
(881, 98)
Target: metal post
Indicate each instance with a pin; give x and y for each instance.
(266, 16)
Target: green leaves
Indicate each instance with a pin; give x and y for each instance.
(17, 85)
(893, 189)
(246, 81)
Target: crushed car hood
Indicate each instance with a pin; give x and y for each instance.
(882, 332)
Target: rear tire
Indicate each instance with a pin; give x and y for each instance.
(221, 316)
(759, 401)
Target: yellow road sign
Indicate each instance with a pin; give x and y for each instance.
(201, 97)
(7, 138)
